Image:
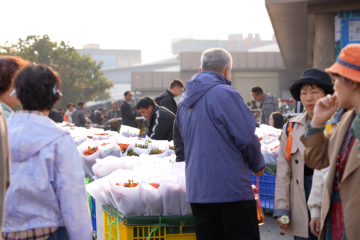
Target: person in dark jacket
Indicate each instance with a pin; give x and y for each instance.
(92, 116)
(61, 114)
(161, 120)
(166, 99)
(54, 115)
(178, 144)
(268, 103)
(219, 152)
(78, 115)
(98, 116)
(128, 113)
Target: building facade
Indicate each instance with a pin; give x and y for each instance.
(234, 43)
(265, 69)
(112, 58)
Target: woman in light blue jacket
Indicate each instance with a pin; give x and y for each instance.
(47, 196)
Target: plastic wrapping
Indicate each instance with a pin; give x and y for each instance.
(106, 150)
(95, 189)
(170, 191)
(126, 131)
(78, 137)
(151, 199)
(121, 140)
(89, 161)
(273, 149)
(185, 206)
(127, 199)
(106, 166)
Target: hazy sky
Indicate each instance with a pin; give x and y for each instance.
(148, 25)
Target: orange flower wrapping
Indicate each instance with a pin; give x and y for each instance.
(90, 151)
(157, 151)
(154, 185)
(123, 147)
(129, 184)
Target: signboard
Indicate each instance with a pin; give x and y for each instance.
(350, 31)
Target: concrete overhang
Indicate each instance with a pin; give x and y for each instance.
(293, 24)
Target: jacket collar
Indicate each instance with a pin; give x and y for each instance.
(6, 108)
(170, 93)
(156, 107)
(300, 118)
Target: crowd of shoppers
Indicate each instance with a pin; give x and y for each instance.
(321, 203)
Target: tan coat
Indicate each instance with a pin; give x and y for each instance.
(320, 152)
(4, 165)
(290, 197)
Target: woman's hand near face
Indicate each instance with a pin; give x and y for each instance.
(324, 109)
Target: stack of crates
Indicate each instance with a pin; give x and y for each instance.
(123, 231)
(266, 189)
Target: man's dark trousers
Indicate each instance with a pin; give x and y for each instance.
(230, 221)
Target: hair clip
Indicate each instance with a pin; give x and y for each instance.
(55, 90)
(13, 92)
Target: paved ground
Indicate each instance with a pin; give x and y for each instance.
(270, 230)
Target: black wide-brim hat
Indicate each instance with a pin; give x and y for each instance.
(312, 76)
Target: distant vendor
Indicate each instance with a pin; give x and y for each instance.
(161, 120)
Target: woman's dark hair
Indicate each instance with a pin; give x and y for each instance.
(278, 120)
(9, 65)
(145, 102)
(34, 87)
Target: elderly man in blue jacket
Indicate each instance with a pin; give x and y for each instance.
(217, 130)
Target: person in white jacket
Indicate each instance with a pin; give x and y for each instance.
(47, 197)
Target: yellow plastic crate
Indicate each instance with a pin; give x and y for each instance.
(127, 232)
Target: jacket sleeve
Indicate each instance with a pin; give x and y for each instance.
(128, 112)
(109, 114)
(179, 144)
(66, 117)
(316, 150)
(262, 117)
(69, 187)
(4, 164)
(161, 127)
(316, 194)
(283, 181)
(82, 117)
(167, 103)
(266, 112)
(243, 132)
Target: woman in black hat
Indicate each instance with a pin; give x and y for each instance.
(294, 178)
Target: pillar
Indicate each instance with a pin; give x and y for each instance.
(324, 41)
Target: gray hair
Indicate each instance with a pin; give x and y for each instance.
(114, 102)
(216, 59)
